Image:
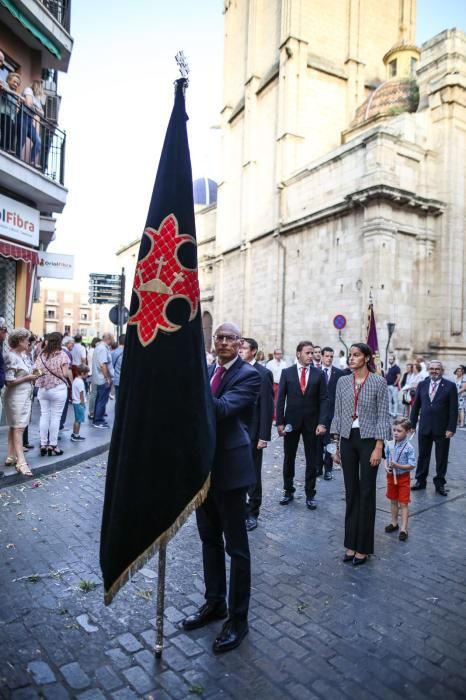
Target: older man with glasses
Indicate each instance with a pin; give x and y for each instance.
(436, 407)
(222, 517)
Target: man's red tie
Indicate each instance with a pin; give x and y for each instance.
(217, 378)
(302, 379)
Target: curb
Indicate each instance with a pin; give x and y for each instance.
(55, 466)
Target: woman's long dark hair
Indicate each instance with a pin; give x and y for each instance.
(367, 352)
(52, 343)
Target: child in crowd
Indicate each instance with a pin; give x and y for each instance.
(78, 397)
(401, 459)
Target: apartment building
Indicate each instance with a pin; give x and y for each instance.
(35, 46)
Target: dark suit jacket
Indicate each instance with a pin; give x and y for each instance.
(233, 466)
(296, 408)
(335, 375)
(439, 415)
(260, 427)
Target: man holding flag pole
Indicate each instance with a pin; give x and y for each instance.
(162, 449)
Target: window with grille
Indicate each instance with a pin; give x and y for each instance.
(8, 291)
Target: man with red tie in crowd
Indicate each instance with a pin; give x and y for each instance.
(235, 386)
(301, 410)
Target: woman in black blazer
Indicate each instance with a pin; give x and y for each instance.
(360, 425)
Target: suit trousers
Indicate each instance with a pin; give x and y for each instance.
(360, 486)
(255, 491)
(223, 515)
(442, 448)
(290, 448)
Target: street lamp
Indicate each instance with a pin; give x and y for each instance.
(391, 330)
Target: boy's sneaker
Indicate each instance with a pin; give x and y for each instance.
(403, 536)
(77, 438)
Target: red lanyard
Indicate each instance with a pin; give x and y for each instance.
(356, 392)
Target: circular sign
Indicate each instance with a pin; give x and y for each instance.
(114, 314)
(339, 322)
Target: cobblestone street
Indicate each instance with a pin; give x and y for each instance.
(395, 628)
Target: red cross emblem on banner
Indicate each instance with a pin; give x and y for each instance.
(159, 278)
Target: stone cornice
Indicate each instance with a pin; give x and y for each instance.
(396, 196)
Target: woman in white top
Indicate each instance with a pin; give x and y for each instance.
(33, 98)
(18, 395)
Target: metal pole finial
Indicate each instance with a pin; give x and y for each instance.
(182, 63)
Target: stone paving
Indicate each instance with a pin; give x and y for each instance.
(394, 628)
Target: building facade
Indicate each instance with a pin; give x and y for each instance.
(343, 177)
(68, 312)
(35, 45)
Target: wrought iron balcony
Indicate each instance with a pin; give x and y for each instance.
(61, 10)
(31, 138)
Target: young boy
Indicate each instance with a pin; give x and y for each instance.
(78, 397)
(401, 459)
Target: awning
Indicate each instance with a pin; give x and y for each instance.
(17, 252)
(35, 31)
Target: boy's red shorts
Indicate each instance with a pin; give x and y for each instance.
(401, 491)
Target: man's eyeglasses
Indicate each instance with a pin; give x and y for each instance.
(223, 337)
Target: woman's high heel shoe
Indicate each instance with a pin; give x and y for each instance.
(54, 451)
(23, 469)
(10, 461)
(43, 451)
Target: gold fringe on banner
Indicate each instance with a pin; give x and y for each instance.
(162, 539)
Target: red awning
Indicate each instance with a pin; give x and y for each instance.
(17, 252)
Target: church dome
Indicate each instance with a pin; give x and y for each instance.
(389, 99)
(205, 191)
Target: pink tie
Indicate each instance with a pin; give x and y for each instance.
(217, 378)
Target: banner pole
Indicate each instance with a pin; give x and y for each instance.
(160, 602)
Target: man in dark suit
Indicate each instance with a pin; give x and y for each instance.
(437, 402)
(260, 428)
(301, 410)
(332, 375)
(235, 386)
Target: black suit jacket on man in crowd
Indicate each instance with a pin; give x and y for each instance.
(260, 429)
(223, 513)
(435, 419)
(324, 459)
(304, 412)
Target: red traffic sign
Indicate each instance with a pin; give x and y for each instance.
(339, 322)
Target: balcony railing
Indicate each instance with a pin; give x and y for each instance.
(31, 138)
(60, 9)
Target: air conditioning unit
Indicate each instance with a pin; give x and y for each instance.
(52, 106)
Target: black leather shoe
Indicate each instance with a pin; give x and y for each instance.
(441, 490)
(357, 561)
(328, 476)
(286, 498)
(206, 613)
(251, 523)
(418, 487)
(311, 504)
(230, 637)
(348, 557)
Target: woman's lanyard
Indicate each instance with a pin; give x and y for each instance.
(356, 393)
